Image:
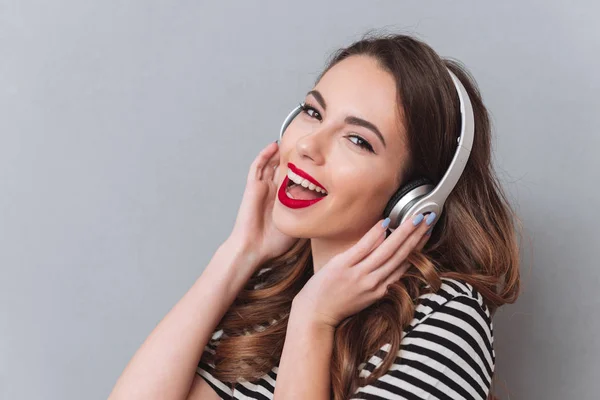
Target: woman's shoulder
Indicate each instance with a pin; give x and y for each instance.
(448, 347)
(454, 296)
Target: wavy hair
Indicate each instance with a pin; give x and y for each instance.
(474, 239)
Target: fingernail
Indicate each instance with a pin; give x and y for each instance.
(430, 218)
(386, 222)
(417, 220)
(428, 231)
(277, 141)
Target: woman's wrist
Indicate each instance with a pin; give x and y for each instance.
(246, 255)
(231, 266)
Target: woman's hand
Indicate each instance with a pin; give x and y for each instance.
(356, 278)
(254, 229)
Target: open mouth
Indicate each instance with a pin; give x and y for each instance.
(301, 189)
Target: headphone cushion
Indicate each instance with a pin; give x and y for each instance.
(403, 191)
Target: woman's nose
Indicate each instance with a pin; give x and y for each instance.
(311, 147)
(315, 144)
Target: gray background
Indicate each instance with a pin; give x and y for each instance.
(126, 133)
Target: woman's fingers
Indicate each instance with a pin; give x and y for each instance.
(267, 168)
(394, 277)
(423, 240)
(256, 168)
(365, 245)
(390, 246)
(270, 168)
(382, 272)
(276, 174)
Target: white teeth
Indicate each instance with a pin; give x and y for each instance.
(304, 182)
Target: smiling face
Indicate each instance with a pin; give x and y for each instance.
(350, 138)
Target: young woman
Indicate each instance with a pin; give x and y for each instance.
(309, 298)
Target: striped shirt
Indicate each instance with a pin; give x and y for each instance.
(446, 352)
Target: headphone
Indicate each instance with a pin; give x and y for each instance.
(420, 195)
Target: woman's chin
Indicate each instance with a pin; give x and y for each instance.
(289, 224)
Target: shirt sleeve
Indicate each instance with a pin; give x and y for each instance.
(448, 355)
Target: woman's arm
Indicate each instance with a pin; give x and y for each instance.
(305, 365)
(164, 366)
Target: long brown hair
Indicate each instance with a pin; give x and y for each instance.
(474, 239)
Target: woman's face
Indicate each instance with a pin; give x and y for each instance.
(336, 141)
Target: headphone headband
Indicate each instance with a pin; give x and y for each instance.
(420, 196)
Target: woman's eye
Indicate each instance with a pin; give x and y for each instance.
(362, 143)
(311, 112)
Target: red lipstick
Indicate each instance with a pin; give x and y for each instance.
(304, 175)
(293, 203)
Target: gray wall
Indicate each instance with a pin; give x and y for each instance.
(126, 132)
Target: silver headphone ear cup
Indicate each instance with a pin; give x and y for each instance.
(288, 120)
(404, 198)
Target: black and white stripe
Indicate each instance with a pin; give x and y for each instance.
(446, 352)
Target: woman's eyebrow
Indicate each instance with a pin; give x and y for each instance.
(351, 120)
(317, 95)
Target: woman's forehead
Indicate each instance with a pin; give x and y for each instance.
(359, 86)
